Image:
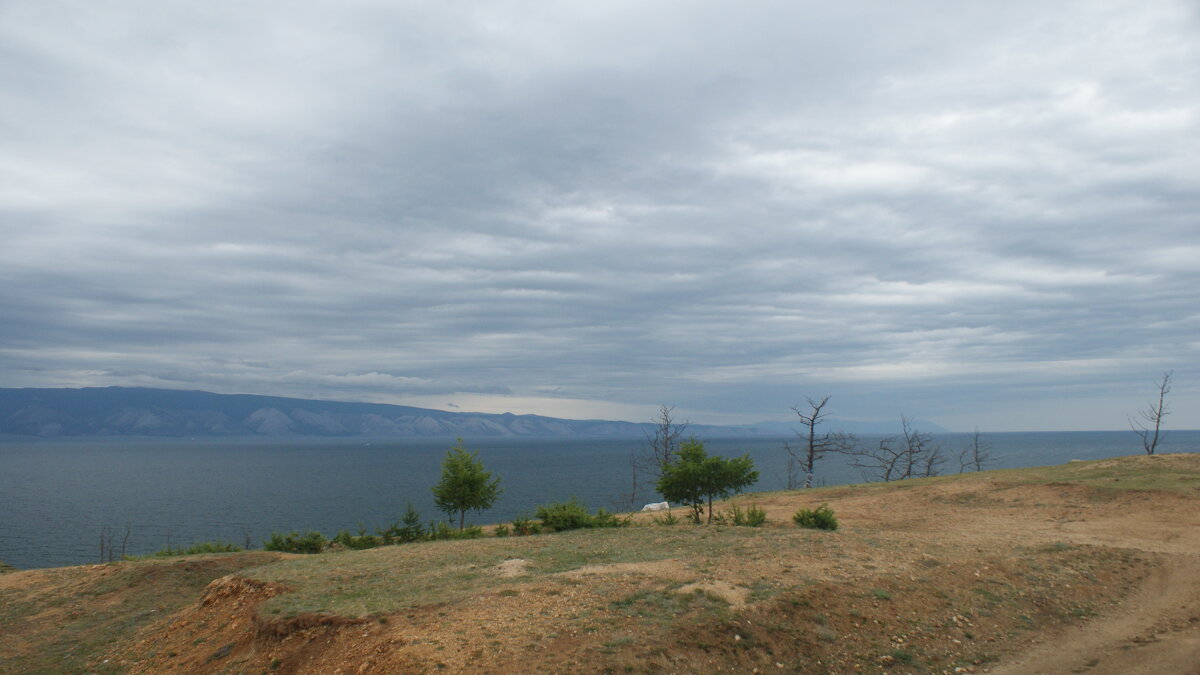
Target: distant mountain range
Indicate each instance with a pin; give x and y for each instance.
(136, 411)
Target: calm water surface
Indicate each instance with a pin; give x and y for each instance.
(57, 497)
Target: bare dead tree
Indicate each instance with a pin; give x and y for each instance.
(664, 442)
(633, 486)
(976, 454)
(792, 466)
(107, 538)
(814, 444)
(662, 446)
(124, 541)
(1148, 424)
(913, 454)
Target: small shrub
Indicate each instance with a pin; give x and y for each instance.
(501, 531)
(605, 519)
(881, 594)
(524, 526)
(407, 529)
(755, 516)
(294, 542)
(667, 519)
(357, 542)
(442, 530)
(195, 549)
(820, 518)
(568, 515)
(751, 517)
(573, 515)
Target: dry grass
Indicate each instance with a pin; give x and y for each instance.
(60, 620)
(396, 578)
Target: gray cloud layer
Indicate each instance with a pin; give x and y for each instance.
(983, 215)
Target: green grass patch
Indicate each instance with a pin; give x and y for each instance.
(1170, 473)
(390, 579)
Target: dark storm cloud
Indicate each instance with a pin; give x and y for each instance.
(973, 214)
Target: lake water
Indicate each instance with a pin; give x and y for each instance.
(56, 497)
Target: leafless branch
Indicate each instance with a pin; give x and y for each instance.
(1149, 423)
(815, 444)
(913, 454)
(976, 454)
(662, 446)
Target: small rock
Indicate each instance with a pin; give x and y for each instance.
(887, 659)
(737, 638)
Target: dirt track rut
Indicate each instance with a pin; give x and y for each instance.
(1155, 631)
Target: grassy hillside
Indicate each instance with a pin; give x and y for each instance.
(931, 575)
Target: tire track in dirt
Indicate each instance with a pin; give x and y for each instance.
(1155, 631)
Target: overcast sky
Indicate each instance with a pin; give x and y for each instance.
(981, 214)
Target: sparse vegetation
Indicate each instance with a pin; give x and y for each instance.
(523, 526)
(753, 516)
(195, 549)
(441, 531)
(356, 542)
(85, 622)
(666, 519)
(294, 542)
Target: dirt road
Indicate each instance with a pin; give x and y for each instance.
(1156, 631)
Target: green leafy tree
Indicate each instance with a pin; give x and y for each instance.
(695, 479)
(464, 485)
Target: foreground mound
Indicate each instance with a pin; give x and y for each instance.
(958, 574)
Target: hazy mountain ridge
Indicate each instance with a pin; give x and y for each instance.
(135, 411)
